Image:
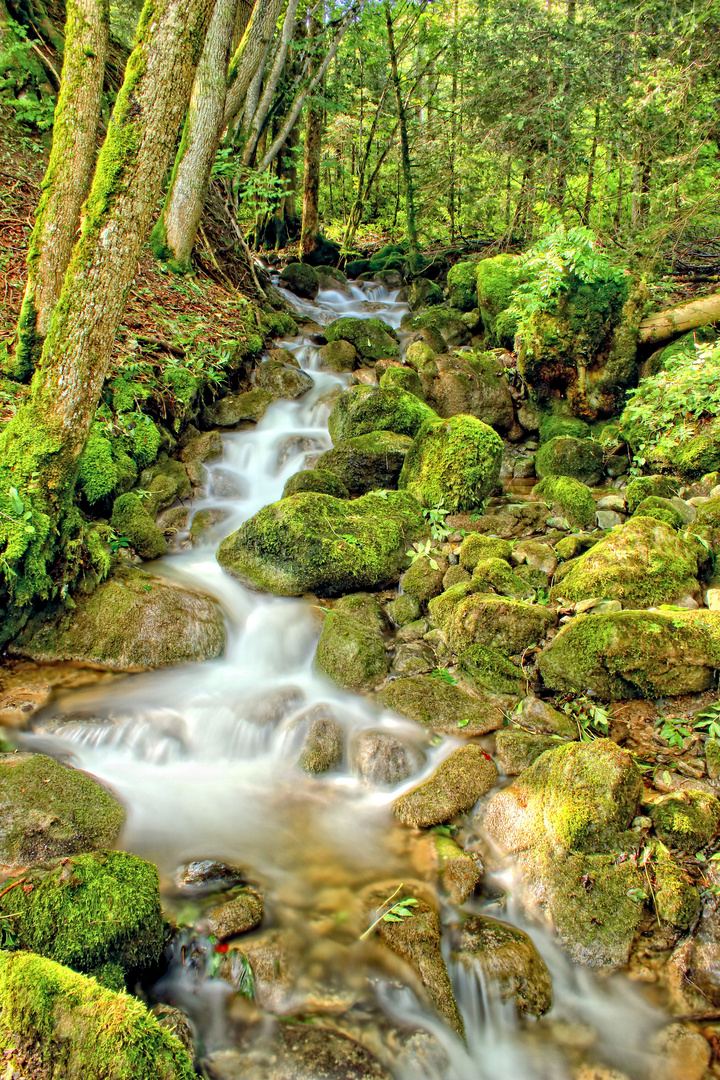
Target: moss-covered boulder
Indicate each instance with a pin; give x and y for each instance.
(495, 575)
(642, 563)
(422, 292)
(163, 483)
(476, 546)
(130, 622)
(70, 1026)
(489, 670)
(301, 279)
(442, 706)
(516, 749)
(104, 470)
(321, 480)
(496, 279)
(453, 463)
(642, 487)
(422, 580)
(473, 384)
(687, 820)
(228, 412)
(556, 424)
(510, 626)
(462, 286)
(323, 746)
(420, 356)
(677, 901)
(351, 650)
(440, 320)
(578, 797)
(131, 520)
(404, 378)
(403, 610)
(630, 654)
(363, 409)
(282, 380)
(315, 543)
(48, 810)
(454, 788)
(568, 498)
(661, 510)
(373, 339)
(511, 965)
(338, 356)
(441, 608)
(565, 456)
(98, 913)
(367, 462)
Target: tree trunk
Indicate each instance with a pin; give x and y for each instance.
(67, 179)
(257, 119)
(311, 172)
(678, 320)
(41, 446)
(591, 170)
(249, 55)
(404, 143)
(174, 234)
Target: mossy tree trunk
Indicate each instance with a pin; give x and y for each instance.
(68, 175)
(174, 234)
(41, 446)
(249, 55)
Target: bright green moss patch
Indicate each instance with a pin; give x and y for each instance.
(367, 462)
(130, 519)
(568, 456)
(362, 409)
(661, 510)
(569, 498)
(553, 425)
(405, 378)
(687, 820)
(373, 339)
(496, 280)
(442, 706)
(488, 669)
(643, 487)
(475, 547)
(145, 440)
(350, 653)
(462, 286)
(453, 463)
(322, 480)
(495, 575)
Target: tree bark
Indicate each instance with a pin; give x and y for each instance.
(174, 234)
(404, 143)
(678, 320)
(67, 179)
(249, 55)
(41, 446)
(311, 171)
(262, 108)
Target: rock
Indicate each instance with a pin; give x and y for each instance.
(422, 580)
(301, 279)
(48, 810)
(712, 758)
(576, 797)
(338, 356)
(499, 622)
(513, 520)
(362, 409)
(206, 876)
(661, 510)
(21, 703)
(459, 872)
(612, 502)
(333, 279)
(404, 378)
(442, 706)
(298, 1051)
(97, 913)
(510, 963)
(528, 416)
(516, 749)
(283, 356)
(676, 899)
(320, 480)
(455, 575)
(367, 462)
(539, 717)
(176, 1023)
(249, 405)
(412, 658)
(568, 498)
(462, 285)
(244, 912)
(422, 293)
(163, 483)
(421, 358)
(207, 447)
(453, 463)
(384, 760)
(454, 788)
(685, 1054)
(323, 746)
(555, 424)
(572, 546)
(130, 622)
(694, 967)
(443, 321)
(642, 487)
(78, 1028)
(565, 456)
(173, 520)
(226, 484)
(494, 575)
(475, 547)
(496, 279)
(282, 380)
(131, 520)
(536, 555)
(688, 820)
(474, 385)
(608, 519)
(632, 654)
(373, 339)
(404, 610)
(489, 670)
(202, 523)
(315, 543)
(350, 653)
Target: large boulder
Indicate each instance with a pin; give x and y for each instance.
(368, 461)
(454, 787)
(462, 286)
(496, 279)
(630, 654)
(441, 320)
(351, 650)
(315, 543)
(362, 409)
(473, 384)
(282, 380)
(499, 622)
(568, 498)
(228, 412)
(68, 1025)
(321, 480)
(453, 463)
(566, 456)
(130, 622)
(48, 810)
(301, 279)
(373, 339)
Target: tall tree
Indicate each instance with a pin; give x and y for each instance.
(408, 187)
(311, 172)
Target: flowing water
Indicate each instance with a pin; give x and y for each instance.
(205, 759)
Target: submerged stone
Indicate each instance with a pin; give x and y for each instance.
(383, 759)
(509, 962)
(244, 912)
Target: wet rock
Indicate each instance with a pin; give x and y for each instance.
(163, 483)
(453, 788)
(412, 658)
(513, 520)
(350, 653)
(202, 524)
(404, 610)
(489, 670)
(473, 384)
(205, 876)
(338, 356)
(441, 320)
(459, 871)
(413, 631)
(406, 378)
(323, 745)
(498, 622)
(442, 706)
(384, 760)
(320, 480)
(200, 448)
(475, 547)
(360, 410)
(688, 820)
(516, 749)
(282, 380)
(244, 912)
(565, 456)
(537, 716)
(510, 963)
(676, 899)
(421, 357)
(131, 519)
(422, 580)
(694, 967)
(173, 520)
(228, 412)
(226, 484)
(608, 519)
(130, 622)
(373, 339)
(294, 445)
(298, 1052)
(685, 1054)
(453, 463)
(315, 543)
(48, 810)
(19, 704)
(269, 709)
(301, 279)
(367, 462)
(177, 1024)
(664, 487)
(661, 510)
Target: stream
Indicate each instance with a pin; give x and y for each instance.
(205, 759)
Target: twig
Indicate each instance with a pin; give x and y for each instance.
(13, 886)
(381, 917)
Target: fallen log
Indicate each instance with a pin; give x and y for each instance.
(678, 320)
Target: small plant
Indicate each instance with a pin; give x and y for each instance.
(436, 519)
(396, 913)
(443, 674)
(116, 542)
(709, 718)
(592, 720)
(674, 732)
(423, 550)
(23, 517)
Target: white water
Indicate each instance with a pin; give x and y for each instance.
(204, 757)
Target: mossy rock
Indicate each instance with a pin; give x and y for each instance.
(677, 901)
(48, 810)
(146, 440)
(578, 797)
(516, 750)
(282, 380)
(373, 339)
(356, 267)
(553, 425)
(462, 286)
(453, 463)
(97, 913)
(197, 448)
(72, 1027)
(422, 580)
(423, 293)
(490, 670)
(496, 279)
(509, 961)
(228, 412)
(441, 608)
(663, 487)
(320, 480)
(444, 321)
(130, 622)
(301, 279)
(568, 498)
(367, 462)
(315, 543)
(534, 714)
(570, 547)
(350, 653)
(131, 520)
(566, 456)
(630, 654)
(442, 706)
(499, 622)
(163, 483)
(476, 546)
(707, 522)
(421, 358)
(495, 575)
(338, 356)
(661, 510)
(643, 563)
(454, 788)
(687, 820)
(404, 378)
(104, 470)
(403, 610)
(360, 410)
(323, 746)
(473, 384)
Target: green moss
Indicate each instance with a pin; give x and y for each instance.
(367, 462)
(475, 547)
(164, 482)
(79, 1029)
(145, 441)
(405, 378)
(661, 510)
(569, 498)
(663, 487)
(350, 653)
(687, 820)
(183, 384)
(442, 606)
(496, 280)
(373, 339)
(572, 546)
(453, 788)
(462, 286)
(362, 409)
(489, 669)
(130, 519)
(322, 480)
(499, 622)
(517, 750)
(567, 456)
(453, 463)
(403, 610)
(553, 425)
(442, 706)
(128, 395)
(677, 901)
(422, 580)
(97, 474)
(444, 321)
(494, 575)
(301, 278)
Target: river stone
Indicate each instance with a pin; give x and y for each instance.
(58, 1023)
(206, 876)
(338, 356)
(163, 483)
(513, 520)
(453, 463)
(315, 543)
(630, 654)
(442, 706)
(130, 622)
(372, 338)
(244, 912)
(566, 456)
(131, 520)
(421, 357)
(490, 671)
(459, 871)
(298, 1052)
(441, 320)
(301, 279)
(422, 580)
(320, 480)
(231, 410)
(687, 820)
(537, 716)
(475, 547)
(362, 409)
(498, 622)
(383, 759)
(516, 749)
(509, 961)
(48, 810)
(282, 380)
(199, 448)
(454, 787)
(323, 745)
(473, 385)
(351, 654)
(403, 610)
(412, 658)
(367, 462)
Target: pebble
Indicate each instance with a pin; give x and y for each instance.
(608, 519)
(685, 1055)
(612, 502)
